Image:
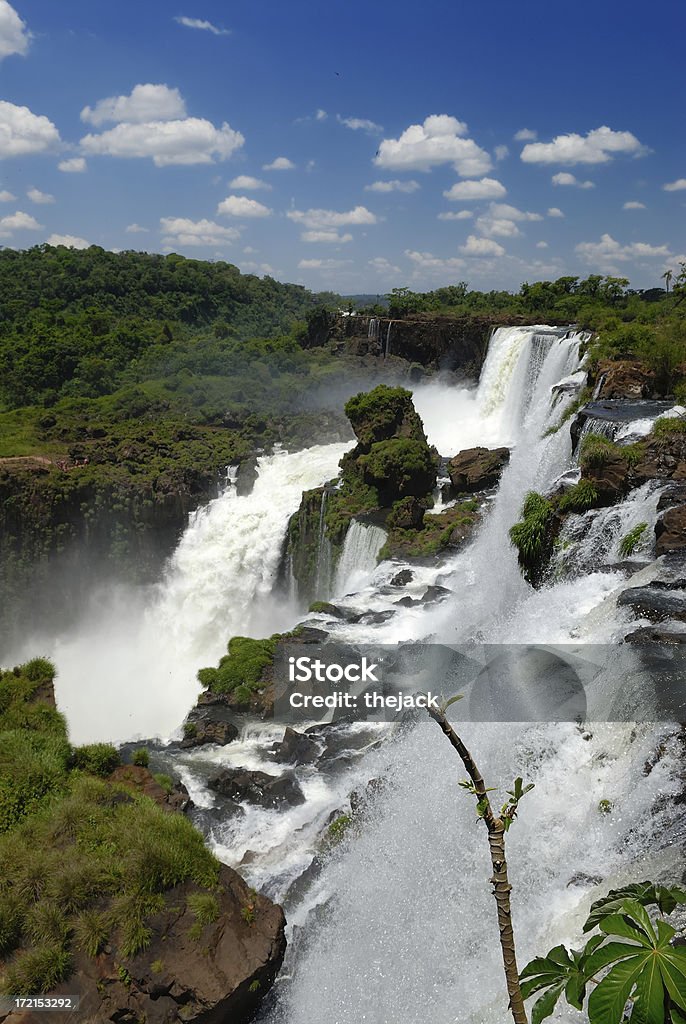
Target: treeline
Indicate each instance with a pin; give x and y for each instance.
(80, 323)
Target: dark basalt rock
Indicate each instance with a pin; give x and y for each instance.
(625, 379)
(651, 635)
(240, 784)
(656, 602)
(670, 531)
(212, 723)
(477, 469)
(402, 578)
(295, 748)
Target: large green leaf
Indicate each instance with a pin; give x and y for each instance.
(608, 999)
(544, 1006)
(646, 893)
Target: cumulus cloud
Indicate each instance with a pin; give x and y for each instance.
(541, 245)
(382, 266)
(426, 262)
(182, 231)
(144, 103)
(555, 211)
(281, 163)
(675, 186)
(501, 152)
(481, 247)
(318, 264)
(241, 206)
(74, 165)
(19, 221)
(565, 178)
(14, 35)
(36, 196)
(607, 253)
(487, 188)
(318, 220)
(596, 147)
(6, 197)
(439, 140)
(393, 186)
(136, 229)
(325, 236)
(70, 241)
(456, 215)
(360, 124)
(634, 205)
(23, 133)
(248, 183)
(205, 26)
(525, 135)
(191, 141)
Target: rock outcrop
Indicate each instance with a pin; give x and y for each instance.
(477, 469)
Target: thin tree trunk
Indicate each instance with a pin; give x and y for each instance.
(499, 881)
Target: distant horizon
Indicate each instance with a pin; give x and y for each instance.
(421, 148)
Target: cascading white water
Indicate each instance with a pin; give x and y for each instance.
(361, 547)
(137, 656)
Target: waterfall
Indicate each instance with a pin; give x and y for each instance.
(137, 656)
(373, 328)
(361, 547)
(322, 584)
(387, 347)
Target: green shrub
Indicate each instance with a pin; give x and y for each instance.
(579, 498)
(96, 759)
(528, 535)
(243, 666)
(204, 906)
(37, 970)
(630, 540)
(669, 426)
(91, 932)
(32, 767)
(164, 781)
(141, 757)
(594, 451)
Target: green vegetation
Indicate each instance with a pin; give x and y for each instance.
(630, 967)
(141, 757)
(594, 451)
(204, 906)
(531, 534)
(338, 829)
(631, 540)
(84, 862)
(242, 668)
(669, 427)
(578, 498)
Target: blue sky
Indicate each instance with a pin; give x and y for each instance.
(347, 145)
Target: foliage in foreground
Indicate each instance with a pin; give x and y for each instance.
(83, 862)
(630, 968)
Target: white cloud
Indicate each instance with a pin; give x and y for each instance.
(71, 241)
(525, 135)
(596, 147)
(36, 196)
(501, 152)
(541, 245)
(281, 163)
(382, 266)
(191, 141)
(14, 35)
(487, 188)
(481, 247)
(500, 226)
(325, 236)
(248, 183)
(360, 124)
(322, 219)
(555, 211)
(251, 267)
(75, 165)
(606, 253)
(634, 205)
(393, 186)
(144, 103)
(565, 178)
(320, 115)
(136, 229)
(321, 264)
(18, 221)
(439, 140)
(241, 206)
(456, 215)
(428, 263)
(508, 212)
(205, 26)
(182, 231)
(6, 197)
(22, 132)
(675, 186)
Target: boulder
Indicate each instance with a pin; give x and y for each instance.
(610, 477)
(670, 531)
(625, 378)
(655, 635)
(141, 780)
(212, 723)
(402, 578)
(476, 469)
(259, 788)
(407, 514)
(296, 748)
(655, 602)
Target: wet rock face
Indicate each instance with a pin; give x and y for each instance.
(220, 975)
(477, 469)
(626, 378)
(656, 602)
(296, 748)
(670, 531)
(258, 788)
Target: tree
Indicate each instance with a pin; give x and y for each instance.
(497, 826)
(667, 278)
